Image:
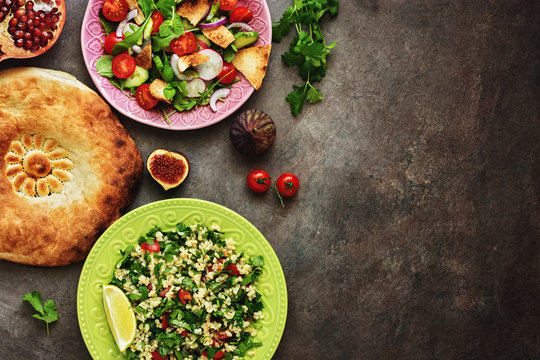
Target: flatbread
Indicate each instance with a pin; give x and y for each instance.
(219, 35)
(193, 10)
(67, 167)
(252, 63)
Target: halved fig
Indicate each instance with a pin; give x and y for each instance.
(168, 168)
(28, 28)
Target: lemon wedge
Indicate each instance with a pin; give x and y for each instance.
(119, 315)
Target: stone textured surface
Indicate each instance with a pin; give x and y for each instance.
(415, 234)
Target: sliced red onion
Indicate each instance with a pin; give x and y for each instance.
(136, 49)
(218, 94)
(221, 21)
(128, 27)
(207, 13)
(241, 25)
(130, 15)
(177, 73)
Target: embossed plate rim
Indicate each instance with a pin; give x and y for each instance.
(188, 120)
(89, 281)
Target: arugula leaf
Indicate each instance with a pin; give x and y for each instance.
(165, 7)
(147, 6)
(130, 39)
(108, 25)
(46, 312)
(104, 66)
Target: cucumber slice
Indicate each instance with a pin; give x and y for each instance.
(137, 78)
(187, 24)
(244, 39)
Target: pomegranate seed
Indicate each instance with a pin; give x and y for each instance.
(42, 26)
(36, 40)
(2, 3)
(36, 32)
(30, 22)
(11, 30)
(20, 3)
(31, 14)
(18, 34)
(53, 10)
(8, 3)
(49, 35)
(29, 5)
(2, 17)
(55, 18)
(21, 26)
(27, 36)
(20, 12)
(19, 42)
(4, 10)
(13, 22)
(40, 13)
(43, 43)
(30, 28)
(54, 27)
(27, 45)
(34, 48)
(23, 18)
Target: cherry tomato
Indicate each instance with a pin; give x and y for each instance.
(228, 5)
(184, 44)
(144, 98)
(184, 296)
(233, 269)
(219, 355)
(241, 14)
(259, 180)
(150, 247)
(222, 335)
(110, 41)
(227, 74)
(123, 66)
(157, 356)
(115, 10)
(164, 322)
(157, 20)
(287, 184)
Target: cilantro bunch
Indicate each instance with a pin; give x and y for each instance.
(308, 50)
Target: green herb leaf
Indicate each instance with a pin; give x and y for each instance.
(165, 7)
(104, 66)
(47, 311)
(108, 25)
(296, 100)
(130, 39)
(147, 6)
(257, 261)
(313, 95)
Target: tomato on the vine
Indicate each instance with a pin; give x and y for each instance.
(144, 97)
(259, 181)
(228, 5)
(157, 20)
(123, 66)
(227, 74)
(287, 184)
(110, 41)
(184, 44)
(115, 10)
(241, 14)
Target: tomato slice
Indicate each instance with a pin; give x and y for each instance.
(228, 5)
(241, 14)
(123, 66)
(184, 296)
(144, 97)
(184, 44)
(164, 291)
(222, 335)
(157, 356)
(115, 10)
(164, 322)
(219, 355)
(227, 74)
(150, 247)
(110, 41)
(157, 20)
(233, 269)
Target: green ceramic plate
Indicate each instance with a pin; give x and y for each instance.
(99, 265)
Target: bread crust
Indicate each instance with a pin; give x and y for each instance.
(60, 228)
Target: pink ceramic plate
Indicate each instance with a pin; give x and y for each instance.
(92, 36)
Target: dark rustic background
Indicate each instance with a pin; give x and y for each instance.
(415, 234)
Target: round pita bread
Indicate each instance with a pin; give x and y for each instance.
(67, 167)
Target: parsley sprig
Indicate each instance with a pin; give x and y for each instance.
(46, 311)
(308, 50)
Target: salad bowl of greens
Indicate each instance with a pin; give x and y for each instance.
(180, 110)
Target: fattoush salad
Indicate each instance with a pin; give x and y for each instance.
(182, 53)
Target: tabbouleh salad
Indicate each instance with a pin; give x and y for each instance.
(193, 296)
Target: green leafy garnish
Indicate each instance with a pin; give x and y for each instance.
(47, 311)
(130, 40)
(308, 50)
(108, 25)
(104, 66)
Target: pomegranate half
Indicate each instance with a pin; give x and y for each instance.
(28, 28)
